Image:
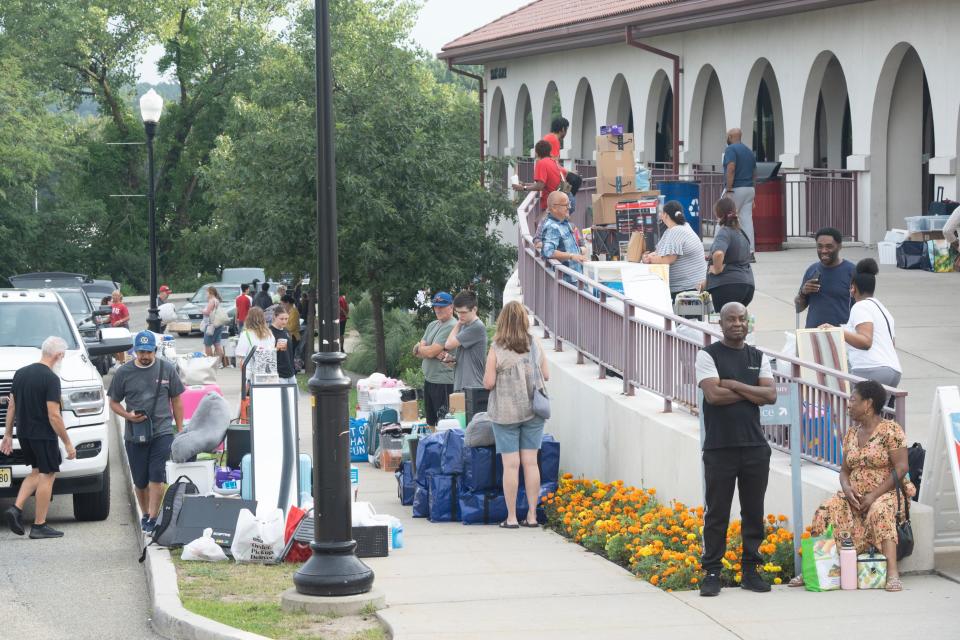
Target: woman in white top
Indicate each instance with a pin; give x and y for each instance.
(256, 335)
(870, 333)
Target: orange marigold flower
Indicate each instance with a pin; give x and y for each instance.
(782, 518)
(694, 581)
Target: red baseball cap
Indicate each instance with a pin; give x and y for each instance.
(164, 289)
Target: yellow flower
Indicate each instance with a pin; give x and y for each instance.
(777, 581)
(691, 536)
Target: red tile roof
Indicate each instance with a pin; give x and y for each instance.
(548, 14)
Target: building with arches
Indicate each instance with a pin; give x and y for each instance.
(851, 86)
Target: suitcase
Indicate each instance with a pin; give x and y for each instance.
(476, 401)
(941, 206)
(306, 477)
(201, 512)
(192, 396)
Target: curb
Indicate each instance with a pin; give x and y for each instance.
(170, 618)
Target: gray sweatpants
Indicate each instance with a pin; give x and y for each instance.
(743, 198)
(884, 375)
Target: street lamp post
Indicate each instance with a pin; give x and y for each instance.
(151, 106)
(333, 569)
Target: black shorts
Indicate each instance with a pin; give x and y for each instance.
(42, 455)
(436, 398)
(148, 462)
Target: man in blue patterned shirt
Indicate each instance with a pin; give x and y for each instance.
(559, 240)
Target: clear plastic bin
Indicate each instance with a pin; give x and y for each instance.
(917, 223)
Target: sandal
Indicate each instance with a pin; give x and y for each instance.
(894, 585)
(531, 525)
(506, 525)
(796, 582)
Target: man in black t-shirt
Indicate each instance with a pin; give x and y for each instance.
(263, 299)
(736, 379)
(278, 326)
(35, 404)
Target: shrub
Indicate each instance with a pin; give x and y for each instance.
(656, 542)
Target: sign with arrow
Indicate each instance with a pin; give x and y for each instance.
(787, 407)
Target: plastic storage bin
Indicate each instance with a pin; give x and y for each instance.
(372, 542)
(919, 223)
(936, 223)
(200, 472)
(887, 252)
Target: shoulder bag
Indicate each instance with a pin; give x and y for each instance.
(904, 529)
(142, 432)
(541, 402)
(219, 317)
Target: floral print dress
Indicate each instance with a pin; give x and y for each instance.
(869, 467)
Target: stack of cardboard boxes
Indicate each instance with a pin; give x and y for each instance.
(616, 177)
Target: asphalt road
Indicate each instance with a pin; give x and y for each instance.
(87, 584)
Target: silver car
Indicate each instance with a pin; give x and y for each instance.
(190, 315)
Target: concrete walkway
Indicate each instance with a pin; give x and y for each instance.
(925, 307)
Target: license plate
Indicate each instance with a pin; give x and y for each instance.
(6, 477)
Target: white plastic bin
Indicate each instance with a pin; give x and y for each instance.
(887, 252)
(200, 472)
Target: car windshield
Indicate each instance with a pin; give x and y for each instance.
(76, 301)
(28, 324)
(228, 293)
(242, 274)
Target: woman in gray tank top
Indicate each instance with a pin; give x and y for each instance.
(511, 378)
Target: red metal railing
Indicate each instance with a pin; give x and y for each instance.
(817, 198)
(659, 354)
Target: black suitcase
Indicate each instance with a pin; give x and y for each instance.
(941, 207)
(913, 254)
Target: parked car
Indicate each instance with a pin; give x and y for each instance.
(95, 289)
(190, 314)
(85, 316)
(243, 275)
(27, 318)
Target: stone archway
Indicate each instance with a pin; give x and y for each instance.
(826, 131)
(761, 119)
(523, 136)
(708, 121)
(550, 109)
(902, 141)
(658, 127)
(498, 136)
(583, 125)
(620, 108)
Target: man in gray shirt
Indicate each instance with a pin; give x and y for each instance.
(469, 338)
(437, 366)
(151, 390)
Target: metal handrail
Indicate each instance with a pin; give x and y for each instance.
(613, 339)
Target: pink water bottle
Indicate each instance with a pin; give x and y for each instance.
(848, 562)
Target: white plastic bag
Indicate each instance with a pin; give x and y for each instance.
(204, 549)
(197, 370)
(258, 539)
(363, 515)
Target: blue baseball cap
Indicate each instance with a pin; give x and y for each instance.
(442, 299)
(145, 341)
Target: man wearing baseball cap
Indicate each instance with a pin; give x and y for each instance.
(165, 309)
(150, 389)
(438, 371)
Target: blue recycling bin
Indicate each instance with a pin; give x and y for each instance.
(688, 195)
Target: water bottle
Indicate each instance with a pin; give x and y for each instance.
(848, 562)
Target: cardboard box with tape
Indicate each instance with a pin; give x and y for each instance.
(605, 206)
(615, 143)
(616, 172)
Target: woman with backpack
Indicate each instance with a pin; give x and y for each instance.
(212, 326)
(256, 335)
(729, 276)
(515, 368)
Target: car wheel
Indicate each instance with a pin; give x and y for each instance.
(183, 334)
(89, 507)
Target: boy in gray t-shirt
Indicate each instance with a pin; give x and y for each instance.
(469, 338)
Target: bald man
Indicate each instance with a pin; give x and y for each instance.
(559, 237)
(740, 164)
(736, 379)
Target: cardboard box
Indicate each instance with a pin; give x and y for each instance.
(457, 403)
(409, 411)
(922, 236)
(610, 143)
(605, 206)
(623, 182)
(613, 164)
(636, 247)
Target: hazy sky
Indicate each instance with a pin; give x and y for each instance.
(440, 22)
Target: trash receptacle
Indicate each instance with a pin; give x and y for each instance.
(688, 195)
(769, 220)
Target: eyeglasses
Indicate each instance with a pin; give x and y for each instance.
(560, 206)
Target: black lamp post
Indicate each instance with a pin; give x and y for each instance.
(151, 106)
(333, 569)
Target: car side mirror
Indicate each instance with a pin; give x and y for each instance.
(103, 311)
(109, 346)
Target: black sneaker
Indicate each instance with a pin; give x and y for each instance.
(14, 518)
(149, 526)
(41, 531)
(711, 585)
(143, 521)
(751, 581)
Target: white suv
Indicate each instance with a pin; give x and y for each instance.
(27, 318)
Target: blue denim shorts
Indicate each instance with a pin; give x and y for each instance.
(214, 339)
(511, 438)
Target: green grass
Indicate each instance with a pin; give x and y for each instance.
(247, 597)
(351, 403)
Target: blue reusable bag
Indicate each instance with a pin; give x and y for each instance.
(444, 498)
(549, 459)
(428, 458)
(451, 456)
(358, 440)
(482, 469)
(406, 485)
(482, 507)
(421, 502)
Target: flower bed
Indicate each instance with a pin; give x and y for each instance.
(658, 543)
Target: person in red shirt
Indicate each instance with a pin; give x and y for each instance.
(344, 314)
(243, 303)
(558, 131)
(119, 317)
(546, 174)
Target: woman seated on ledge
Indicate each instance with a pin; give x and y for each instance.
(867, 504)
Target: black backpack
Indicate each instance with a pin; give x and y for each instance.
(915, 457)
(169, 512)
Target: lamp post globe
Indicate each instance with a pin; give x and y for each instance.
(151, 107)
